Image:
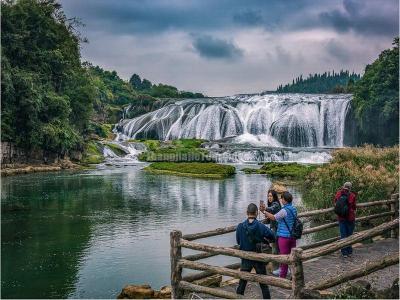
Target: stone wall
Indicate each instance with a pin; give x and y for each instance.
(10, 154)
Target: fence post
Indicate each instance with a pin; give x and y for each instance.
(297, 273)
(394, 208)
(176, 271)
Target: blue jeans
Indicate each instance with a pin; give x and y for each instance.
(346, 229)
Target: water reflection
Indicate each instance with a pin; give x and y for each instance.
(88, 234)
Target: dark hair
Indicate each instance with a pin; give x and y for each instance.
(274, 197)
(287, 196)
(252, 209)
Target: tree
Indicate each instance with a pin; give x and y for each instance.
(376, 99)
(146, 84)
(46, 94)
(136, 82)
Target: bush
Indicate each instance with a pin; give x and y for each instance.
(373, 172)
(93, 153)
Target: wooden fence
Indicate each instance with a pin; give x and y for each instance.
(295, 259)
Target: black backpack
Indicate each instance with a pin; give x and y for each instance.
(342, 205)
(262, 246)
(297, 228)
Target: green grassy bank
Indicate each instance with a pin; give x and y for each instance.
(174, 151)
(282, 170)
(192, 169)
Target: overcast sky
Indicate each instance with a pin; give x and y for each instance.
(226, 47)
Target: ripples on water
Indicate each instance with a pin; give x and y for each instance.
(87, 234)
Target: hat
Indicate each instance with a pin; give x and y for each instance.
(347, 185)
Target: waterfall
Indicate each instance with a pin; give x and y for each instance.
(293, 120)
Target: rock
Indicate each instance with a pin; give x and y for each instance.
(164, 293)
(279, 187)
(136, 292)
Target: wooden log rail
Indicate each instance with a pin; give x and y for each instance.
(224, 230)
(295, 259)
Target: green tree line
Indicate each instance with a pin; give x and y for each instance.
(341, 82)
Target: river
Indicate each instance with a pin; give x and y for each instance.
(86, 234)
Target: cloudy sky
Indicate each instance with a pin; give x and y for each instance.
(225, 47)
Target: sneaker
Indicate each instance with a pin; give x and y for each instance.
(276, 272)
(345, 256)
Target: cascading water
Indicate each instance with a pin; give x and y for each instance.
(291, 120)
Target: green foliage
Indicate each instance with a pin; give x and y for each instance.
(275, 169)
(373, 172)
(46, 94)
(193, 169)
(93, 153)
(376, 99)
(177, 150)
(327, 82)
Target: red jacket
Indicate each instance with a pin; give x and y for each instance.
(352, 205)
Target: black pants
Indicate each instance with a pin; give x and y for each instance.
(247, 266)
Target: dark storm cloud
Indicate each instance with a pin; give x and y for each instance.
(222, 47)
(364, 17)
(143, 17)
(156, 16)
(249, 17)
(214, 48)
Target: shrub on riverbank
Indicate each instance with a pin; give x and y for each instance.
(93, 154)
(193, 169)
(277, 169)
(373, 171)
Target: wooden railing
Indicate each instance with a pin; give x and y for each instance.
(295, 259)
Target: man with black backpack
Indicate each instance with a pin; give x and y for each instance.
(345, 209)
(250, 234)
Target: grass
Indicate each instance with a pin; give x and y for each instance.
(374, 173)
(176, 150)
(282, 170)
(192, 169)
(93, 153)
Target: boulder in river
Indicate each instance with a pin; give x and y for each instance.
(144, 291)
(131, 291)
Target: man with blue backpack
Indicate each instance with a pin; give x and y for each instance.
(345, 209)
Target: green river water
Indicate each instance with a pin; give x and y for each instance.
(86, 234)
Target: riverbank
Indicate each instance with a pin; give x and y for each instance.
(17, 169)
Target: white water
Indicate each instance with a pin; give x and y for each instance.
(294, 120)
(132, 151)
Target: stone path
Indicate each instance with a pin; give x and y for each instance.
(327, 266)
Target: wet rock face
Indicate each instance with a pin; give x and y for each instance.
(144, 291)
